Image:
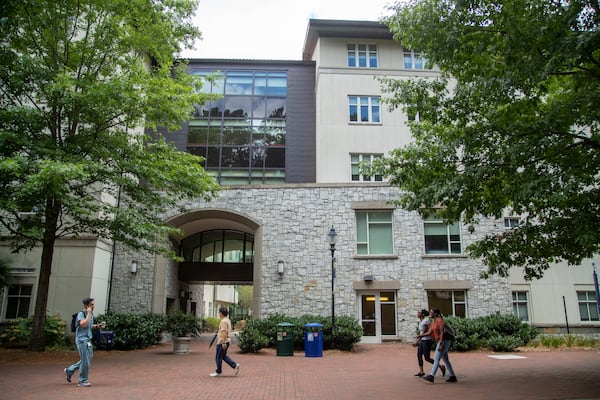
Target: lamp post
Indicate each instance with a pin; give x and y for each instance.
(332, 237)
(596, 287)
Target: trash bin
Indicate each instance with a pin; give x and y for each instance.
(285, 339)
(313, 340)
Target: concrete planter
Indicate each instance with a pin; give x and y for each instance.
(181, 345)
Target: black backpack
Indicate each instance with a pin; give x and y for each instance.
(448, 331)
(74, 321)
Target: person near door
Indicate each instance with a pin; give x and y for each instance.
(442, 347)
(223, 342)
(423, 343)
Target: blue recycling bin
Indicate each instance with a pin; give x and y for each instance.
(313, 340)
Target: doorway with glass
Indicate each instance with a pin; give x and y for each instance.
(377, 315)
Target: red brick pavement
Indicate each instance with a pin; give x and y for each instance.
(371, 372)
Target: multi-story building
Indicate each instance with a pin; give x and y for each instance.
(285, 138)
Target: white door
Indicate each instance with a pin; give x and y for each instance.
(377, 315)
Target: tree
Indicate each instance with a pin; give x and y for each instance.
(78, 80)
(511, 124)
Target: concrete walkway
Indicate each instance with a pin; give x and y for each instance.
(371, 372)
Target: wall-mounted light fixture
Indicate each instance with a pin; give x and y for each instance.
(280, 267)
(190, 295)
(133, 267)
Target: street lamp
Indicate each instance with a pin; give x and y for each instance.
(596, 287)
(332, 237)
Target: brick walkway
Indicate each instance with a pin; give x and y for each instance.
(371, 372)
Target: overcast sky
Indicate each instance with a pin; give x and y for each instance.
(270, 29)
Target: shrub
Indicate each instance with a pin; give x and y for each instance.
(504, 343)
(251, 340)
(182, 324)
(347, 332)
(211, 323)
(134, 331)
(475, 333)
(17, 332)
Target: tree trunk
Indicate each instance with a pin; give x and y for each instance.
(37, 342)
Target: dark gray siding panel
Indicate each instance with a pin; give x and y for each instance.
(300, 155)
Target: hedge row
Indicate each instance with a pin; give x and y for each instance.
(498, 332)
(261, 333)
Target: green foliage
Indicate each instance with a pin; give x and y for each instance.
(347, 332)
(211, 323)
(103, 71)
(17, 332)
(504, 343)
(499, 332)
(182, 324)
(134, 331)
(511, 123)
(251, 339)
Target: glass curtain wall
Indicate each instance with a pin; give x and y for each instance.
(242, 133)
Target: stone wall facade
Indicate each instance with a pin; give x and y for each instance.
(294, 222)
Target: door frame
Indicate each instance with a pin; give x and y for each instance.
(377, 294)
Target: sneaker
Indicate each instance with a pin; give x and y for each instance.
(419, 374)
(452, 379)
(68, 375)
(443, 368)
(84, 384)
(215, 374)
(237, 369)
(428, 378)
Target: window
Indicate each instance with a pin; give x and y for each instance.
(415, 60)
(242, 134)
(374, 234)
(511, 222)
(218, 246)
(364, 109)
(520, 305)
(362, 55)
(449, 302)
(588, 308)
(441, 238)
(356, 160)
(17, 304)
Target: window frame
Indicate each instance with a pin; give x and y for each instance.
(511, 222)
(10, 298)
(414, 56)
(354, 49)
(587, 303)
(359, 106)
(516, 302)
(453, 301)
(361, 159)
(449, 242)
(367, 244)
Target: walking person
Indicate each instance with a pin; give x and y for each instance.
(223, 343)
(442, 347)
(83, 341)
(423, 343)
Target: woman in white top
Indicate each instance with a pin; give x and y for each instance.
(424, 342)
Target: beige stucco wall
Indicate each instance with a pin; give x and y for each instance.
(337, 138)
(546, 294)
(80, 268)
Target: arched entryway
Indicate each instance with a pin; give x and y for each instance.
(219, 247)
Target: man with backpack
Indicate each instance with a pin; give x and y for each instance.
(444, 341)
(83, 341)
